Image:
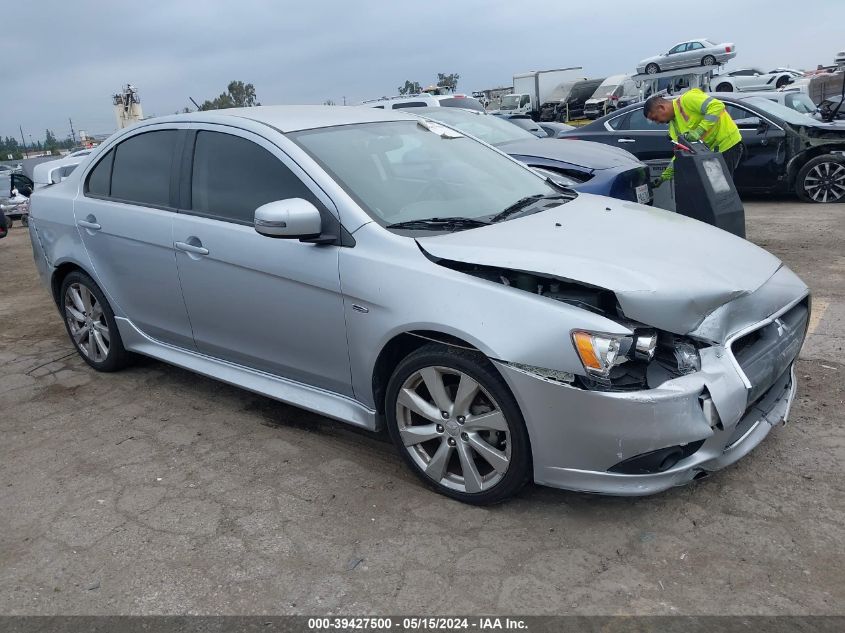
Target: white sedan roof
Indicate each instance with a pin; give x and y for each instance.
(294, 118)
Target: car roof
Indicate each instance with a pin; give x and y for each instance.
(292, 118)
(730, 97)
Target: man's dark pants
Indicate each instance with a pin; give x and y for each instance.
(732, 157)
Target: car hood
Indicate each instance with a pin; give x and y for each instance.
(666, 270)
(585, 154)
(596, 100)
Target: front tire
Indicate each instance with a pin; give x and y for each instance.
(708, 60)
(821, 180)
(652, 69)
(724, 88)
(90, 323)
(457, 426)
(781, 82)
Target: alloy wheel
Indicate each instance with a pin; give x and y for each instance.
(87, 322)
(826, 182)
(453, 429)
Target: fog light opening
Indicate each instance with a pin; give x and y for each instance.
(670, 460)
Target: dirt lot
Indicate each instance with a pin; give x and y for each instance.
(154, 490)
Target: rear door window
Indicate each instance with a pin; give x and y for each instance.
(142, 168)
(233, 176)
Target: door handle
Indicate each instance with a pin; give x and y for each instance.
(87, 224)
(626, 140)
(191, 248)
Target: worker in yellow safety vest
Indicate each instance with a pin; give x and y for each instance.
(696, 116)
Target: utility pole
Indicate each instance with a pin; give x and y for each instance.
(344, 100)
(23, 141)
(72, 133)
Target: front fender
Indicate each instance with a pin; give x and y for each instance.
(390, 287)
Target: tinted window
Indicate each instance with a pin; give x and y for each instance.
(100, 176)
(232, 177)
(410, 104)
(141, 171)
(462, 102)
(637, 121)
(619, 123)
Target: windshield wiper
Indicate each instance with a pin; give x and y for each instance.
(524, 203)
(437, 224)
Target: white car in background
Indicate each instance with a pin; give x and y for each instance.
(793, 99)
(753, 79)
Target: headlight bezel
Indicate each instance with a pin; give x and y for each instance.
(601, 352)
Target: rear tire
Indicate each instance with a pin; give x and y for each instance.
(90, 323)
(457, 426)
(708, 60)
(724, 88)
(652, 69)
(822, 180)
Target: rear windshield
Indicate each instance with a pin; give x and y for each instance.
(462, 102)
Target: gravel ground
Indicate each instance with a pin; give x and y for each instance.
(154, 490)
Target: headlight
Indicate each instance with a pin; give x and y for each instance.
(599, 353)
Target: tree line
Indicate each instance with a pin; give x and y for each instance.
(238, 95)
(10, 145)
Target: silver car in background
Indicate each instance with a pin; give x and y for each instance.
(385, 270)
(698, 52)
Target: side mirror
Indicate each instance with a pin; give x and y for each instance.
(56, 176)
(293, 218)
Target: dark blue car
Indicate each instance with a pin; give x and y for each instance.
(582, 165)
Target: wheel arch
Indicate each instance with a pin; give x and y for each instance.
(59, 273)
(797, 162)
(399, 347)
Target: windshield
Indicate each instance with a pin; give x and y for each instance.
(605, 91)
(800, 102)
(787, 114)
(510, 102)
(410, 170)
(488, 128)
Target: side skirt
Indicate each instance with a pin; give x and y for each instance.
(326, 403)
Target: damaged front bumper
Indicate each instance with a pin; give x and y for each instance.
(643, 442)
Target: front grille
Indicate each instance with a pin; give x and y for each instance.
(764, 354)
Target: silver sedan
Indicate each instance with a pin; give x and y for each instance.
(385, 270)
(700, 52)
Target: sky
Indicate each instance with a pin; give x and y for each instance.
(64, 59)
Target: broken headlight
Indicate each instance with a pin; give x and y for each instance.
(600, 353)
(644, 359)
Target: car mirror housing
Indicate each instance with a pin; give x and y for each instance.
(293, 218)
